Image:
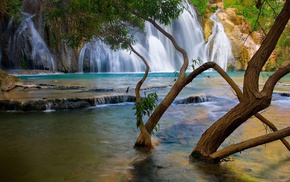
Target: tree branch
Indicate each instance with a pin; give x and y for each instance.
(273, 128)
(238, 91)
(267, 138)
(259, 59)
(176, 46)
(144, 131)
(273, 79)
(169, 36)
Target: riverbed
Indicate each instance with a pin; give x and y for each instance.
(96, 143)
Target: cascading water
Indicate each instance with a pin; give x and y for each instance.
(219, 47)
(27, 49)
(158, 50)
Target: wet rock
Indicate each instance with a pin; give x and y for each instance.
(284, 94)
(194, 99)
(60, 104)
(10, 105)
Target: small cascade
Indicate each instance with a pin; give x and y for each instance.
(219, 47)
(114, 99)
(194, 99)
(28, 50)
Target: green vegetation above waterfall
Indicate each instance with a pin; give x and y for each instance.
(9, 8)
(200, 5)
(259, 15)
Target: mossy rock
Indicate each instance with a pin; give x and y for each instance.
(207, 28)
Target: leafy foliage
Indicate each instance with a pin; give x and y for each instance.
(200, 5)
(264, 16)
(110, 21)
(195, 62)
(9, 8)
(145, 107)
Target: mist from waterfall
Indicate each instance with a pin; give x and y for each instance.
(27, 49)
(158, 50)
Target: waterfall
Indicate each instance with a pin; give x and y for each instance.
(27, 49)
(158, 50)
(219, 47)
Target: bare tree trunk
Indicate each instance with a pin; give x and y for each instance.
(159, 111)
(172, 94)
(251, 86)
(213, 137)
(253, 100)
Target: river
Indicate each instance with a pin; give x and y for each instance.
(96, 144)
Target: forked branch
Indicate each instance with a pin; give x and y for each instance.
(238, 91)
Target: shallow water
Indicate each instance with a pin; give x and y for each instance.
(96, 144)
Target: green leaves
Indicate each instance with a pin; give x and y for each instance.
(10, 7)
(145, 107)
(108, 20)
(197, 61)
(200, 5)
(264, 16)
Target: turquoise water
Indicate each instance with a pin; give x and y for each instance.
(96, 144)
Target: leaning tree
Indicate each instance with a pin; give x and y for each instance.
(115, 21)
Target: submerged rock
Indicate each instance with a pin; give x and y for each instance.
(194, 99)
(283, 94)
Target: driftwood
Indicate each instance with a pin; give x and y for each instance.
(23, 86)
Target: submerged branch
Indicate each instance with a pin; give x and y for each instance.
(267, 138)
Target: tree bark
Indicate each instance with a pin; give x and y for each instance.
(255, 65)
(250, 143)
(253, 100)
(214, 136)
(145, 136)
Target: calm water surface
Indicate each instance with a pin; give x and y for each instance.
(96, 144)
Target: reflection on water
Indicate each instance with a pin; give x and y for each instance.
(96, 144)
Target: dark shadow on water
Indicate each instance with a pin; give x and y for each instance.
(220, 172)
(149, 169)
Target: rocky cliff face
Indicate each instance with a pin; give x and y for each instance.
(34, 43)
(244, 42)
